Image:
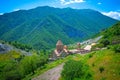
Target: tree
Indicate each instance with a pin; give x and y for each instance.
(105, 42)
(75, 70)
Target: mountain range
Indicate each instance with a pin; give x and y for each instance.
(41, 27)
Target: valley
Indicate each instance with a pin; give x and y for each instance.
(47, 43)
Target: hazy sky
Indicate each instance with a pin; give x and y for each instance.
(108, 7)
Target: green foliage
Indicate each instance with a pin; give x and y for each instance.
(103, 78)
(42, 31)
(97, 46)
(74, 70)
(13, 68)
(116, 48)
(11, 55)
(105, 42)
(8, 70)
(21, 46)
(111, 35)
(91, 55)
(30, 63)
(101, 69)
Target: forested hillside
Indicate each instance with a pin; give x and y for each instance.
(111, 36)
(43, 26)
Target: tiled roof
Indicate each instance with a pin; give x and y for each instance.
(59, 42)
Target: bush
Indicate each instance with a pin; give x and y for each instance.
(116, 48)
(30, 63)
(93, 64)
(75, 70)
(100, 45)
(91, 55)
(105, 42)
(101, 69)
(12, 69)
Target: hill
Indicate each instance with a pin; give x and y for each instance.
(102, 64)
(111, 36)
(43, 26)
(15, 61)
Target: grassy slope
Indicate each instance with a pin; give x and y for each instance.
(107, 59)
(10, 55)
(111, 34)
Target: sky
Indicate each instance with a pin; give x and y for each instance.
(110, 8)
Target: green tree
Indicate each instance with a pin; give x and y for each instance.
(75, 70)
(105, 42)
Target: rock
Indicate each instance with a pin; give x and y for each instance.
(4, 48)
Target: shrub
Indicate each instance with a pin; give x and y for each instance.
(75, 70)
(105, 42)
(30, 63)
(100, 45)
(91, 55)
(103, 78)
(101, 69)
(93, 64)
(116, 48)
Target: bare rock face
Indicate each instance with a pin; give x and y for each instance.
(4, 48)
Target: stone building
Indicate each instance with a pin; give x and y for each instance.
(59, 46)
(60, 51)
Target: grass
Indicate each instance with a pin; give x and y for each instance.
(9, 55)
(106, 59)
(48, 66)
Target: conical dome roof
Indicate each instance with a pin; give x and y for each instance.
(59, 42)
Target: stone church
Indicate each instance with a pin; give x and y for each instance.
(60, 51)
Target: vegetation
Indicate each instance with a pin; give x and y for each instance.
(42, 31)
(97, 65)
(111, 36)
(101, 69)
(14, 66)
(21, 46)
(75, 70)
(103, 64)
(116, 48)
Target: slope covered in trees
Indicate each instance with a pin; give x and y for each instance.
(111, 36)
(43, 26)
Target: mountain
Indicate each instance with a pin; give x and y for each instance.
(41, 27)
(112, 34)
(110, 37)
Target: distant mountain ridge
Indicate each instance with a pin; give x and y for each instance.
(43, 26)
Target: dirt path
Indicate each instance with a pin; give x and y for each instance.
(52, 74)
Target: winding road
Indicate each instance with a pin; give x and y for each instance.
(52, 74)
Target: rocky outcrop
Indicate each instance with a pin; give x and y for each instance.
(4, 48)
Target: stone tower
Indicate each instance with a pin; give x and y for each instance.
(78, 46)
(59, 46)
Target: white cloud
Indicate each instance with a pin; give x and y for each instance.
(1, 13)
(16, 9)
(64, 2)
(99, 3)
(113, 14)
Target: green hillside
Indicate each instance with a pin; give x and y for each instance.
(96, 65)
(102, 64)
(43, 26)
(111, 36)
